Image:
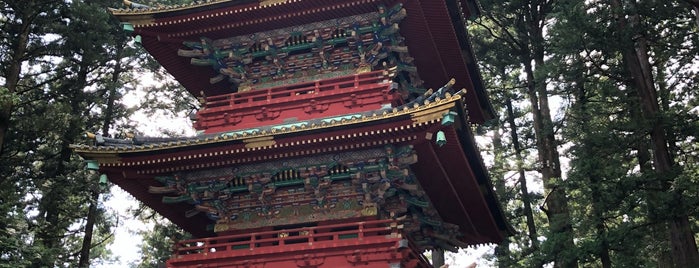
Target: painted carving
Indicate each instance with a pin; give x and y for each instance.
(376, 182)
(309, 52)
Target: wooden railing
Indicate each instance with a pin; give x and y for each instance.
(328, 234)
(311, 89)
(298, 102)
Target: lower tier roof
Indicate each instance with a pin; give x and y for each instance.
(451, 174)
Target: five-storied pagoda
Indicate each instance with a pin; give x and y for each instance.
(331, 133)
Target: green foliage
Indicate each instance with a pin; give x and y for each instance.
(63, 72)
(7, 98)
(158, 242)
(619, 204)
(58, 81)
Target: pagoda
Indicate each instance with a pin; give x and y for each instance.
(330, 133)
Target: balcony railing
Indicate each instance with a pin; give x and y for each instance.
(318, 88)
(302, 101)
(315, 236)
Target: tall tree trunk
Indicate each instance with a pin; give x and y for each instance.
(52, 232)
(645, 165)
(50, 205)
(84, 260)
(556, 202)
(523, 33)
(587, 150)
(12, 78)
(502, 251)
(526, 198)
(635, 56)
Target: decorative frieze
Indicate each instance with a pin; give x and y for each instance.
(367, 183)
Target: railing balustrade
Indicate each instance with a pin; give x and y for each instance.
(316, 235)
(263, 96)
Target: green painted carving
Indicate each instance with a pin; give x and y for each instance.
(309, 52)
(374, 182)
(417, 202)
(163, 179)
(176, 199)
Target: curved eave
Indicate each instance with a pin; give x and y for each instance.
(454, 177)
(447, 173)
(419, 114)
(138, 170)
(480, 172)
(437, 28)
(229, 19)
(472, 7)
(174, 10)
(137, 186)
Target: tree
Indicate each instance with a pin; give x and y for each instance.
(52, 103)
(619, 203)
(607, 100)
(520, 25)
(636, 59)
(158, 242)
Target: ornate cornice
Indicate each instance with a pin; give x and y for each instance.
(421, 113)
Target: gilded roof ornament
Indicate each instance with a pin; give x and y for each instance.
(134, 5)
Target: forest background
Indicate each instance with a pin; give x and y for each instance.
(609, 88)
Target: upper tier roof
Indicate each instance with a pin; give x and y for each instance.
(434, 32)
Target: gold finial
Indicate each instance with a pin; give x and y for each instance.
(134, 5)
(451, 82)
(363, 69)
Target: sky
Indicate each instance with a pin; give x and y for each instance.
(126, 240)
(126, 244)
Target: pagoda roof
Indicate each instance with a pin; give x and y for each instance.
(449, 174)
(107, 147)
(435, 28)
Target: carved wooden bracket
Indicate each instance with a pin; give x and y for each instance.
(309, 261)
(356, 257)
(266, 114)
(232, 119)
(352, 101)
(315, 107)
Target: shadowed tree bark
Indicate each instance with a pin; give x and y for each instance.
(636, 59)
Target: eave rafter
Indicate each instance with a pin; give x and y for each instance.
(464, 180)
(438, 186)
